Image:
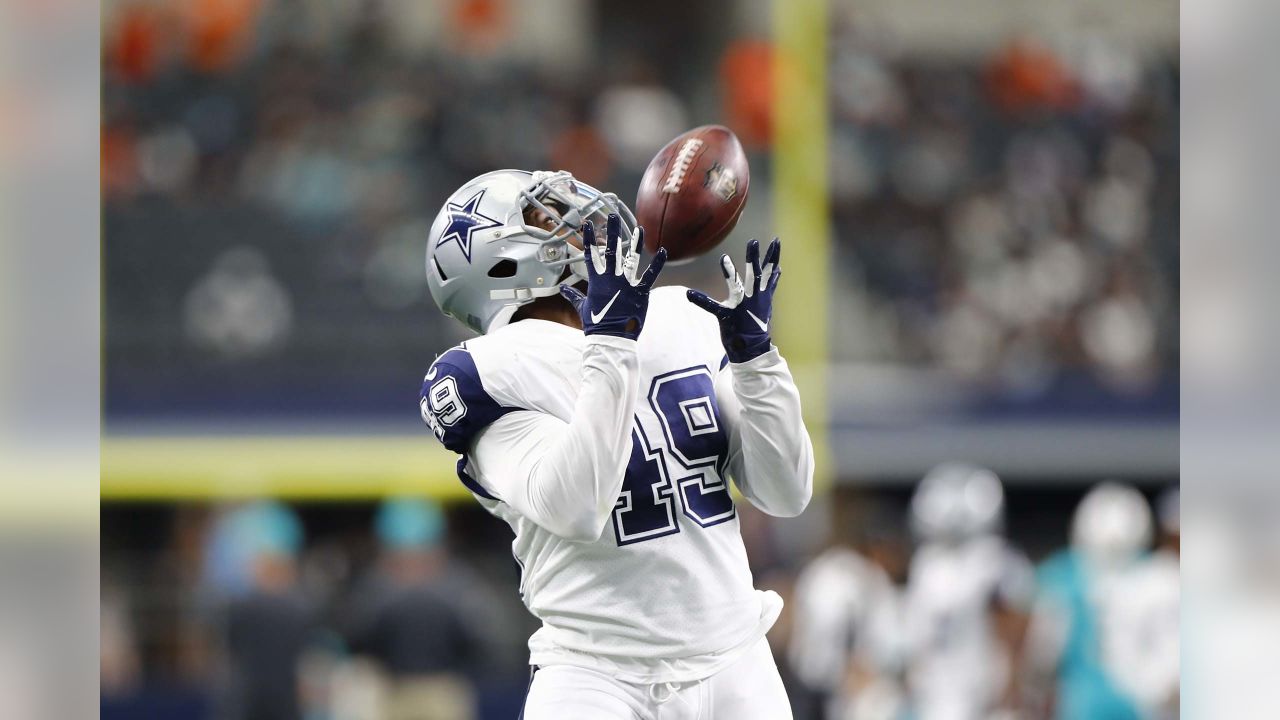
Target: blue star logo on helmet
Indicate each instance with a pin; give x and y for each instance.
(464, 220)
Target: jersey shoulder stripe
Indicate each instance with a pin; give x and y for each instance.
(465, 476)
(453, 401)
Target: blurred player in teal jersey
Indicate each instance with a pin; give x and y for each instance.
(1079, 629)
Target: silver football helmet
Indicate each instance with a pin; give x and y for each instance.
(955, 502)
(502, 240)
(1111, 525)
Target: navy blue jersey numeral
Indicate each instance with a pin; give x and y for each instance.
(645, 509)
(685, 403)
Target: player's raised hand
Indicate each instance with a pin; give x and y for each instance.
(616, 302)
(744, 316)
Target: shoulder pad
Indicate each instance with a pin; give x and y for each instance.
(454, 403)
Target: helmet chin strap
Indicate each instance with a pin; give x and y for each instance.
(503, 316)
(524, 294)
(520, 296)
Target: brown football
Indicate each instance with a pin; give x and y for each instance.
(693, 192)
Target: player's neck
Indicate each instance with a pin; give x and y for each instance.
(552, 309)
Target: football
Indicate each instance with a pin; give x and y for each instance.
(693, 192)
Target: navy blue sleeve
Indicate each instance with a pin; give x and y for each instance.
(454, 403)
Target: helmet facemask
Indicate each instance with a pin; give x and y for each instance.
(552, 211)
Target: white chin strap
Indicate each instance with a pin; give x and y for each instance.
(517, 297)
(523, 294)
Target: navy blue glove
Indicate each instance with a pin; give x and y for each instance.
(615, 303)
(744, 316)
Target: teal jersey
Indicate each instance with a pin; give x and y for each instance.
(1085, 690)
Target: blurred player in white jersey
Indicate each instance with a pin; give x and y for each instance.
(847, 636)
(968, 596)
(1146, 612)
(603, 420)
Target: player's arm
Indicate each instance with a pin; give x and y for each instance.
(770, 454)
(1047, 635)
(1010, 611)
(566, 476)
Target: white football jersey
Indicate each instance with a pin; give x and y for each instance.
(1138, 623)
(664, 593)
(957, 665)
(846, 610)
(843, 604)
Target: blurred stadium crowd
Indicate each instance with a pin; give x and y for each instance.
(910, 608)
(269, 172)
(1013, 220)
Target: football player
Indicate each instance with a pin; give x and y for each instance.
(1086, 615)
(969, 595)
(846, 643)
(603, 419)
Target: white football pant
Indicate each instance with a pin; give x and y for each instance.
(749, 689)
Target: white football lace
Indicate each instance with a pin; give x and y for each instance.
(680, 168)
